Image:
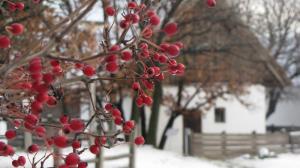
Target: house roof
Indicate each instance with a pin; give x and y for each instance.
(219, 47)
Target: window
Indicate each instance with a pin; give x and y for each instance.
(220, 115)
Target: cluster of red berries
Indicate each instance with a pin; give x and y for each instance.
(15, 28)
(13, 6)
(6, 150)
(41, 82)
(127, 126)
(75, 125)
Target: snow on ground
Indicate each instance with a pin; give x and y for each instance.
(147, 157)
(282, 161)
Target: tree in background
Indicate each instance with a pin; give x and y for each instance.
(276, 23)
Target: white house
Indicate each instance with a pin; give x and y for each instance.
(227, 53)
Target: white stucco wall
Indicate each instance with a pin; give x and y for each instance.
(239, 118)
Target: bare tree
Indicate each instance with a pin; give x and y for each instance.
(276, 23)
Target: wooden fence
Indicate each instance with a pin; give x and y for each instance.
(218, 146)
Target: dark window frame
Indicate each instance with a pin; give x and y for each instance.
(220, 115)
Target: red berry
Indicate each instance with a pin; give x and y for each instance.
(170, 29)
(76, 125)
(82, 165)
(139, 101)
(151, 13)
(20, 6)
(35, 69)
(76, 144)
(15, 28)
(111, 58)
(10, 134)
(89, 70)
(36, 107)
(211, 3)
(64, 119)
(72, 159)
(4, 41)
(12, 7)
(116, 112)
(108, 107)
(130, 124)
(60, 141)
(136, 86)
(33, 148)
(51, 101)
(57, 70)
(36, 76)
(110, 11)
(173, 50)
(103, 140)
(147, 100)
(179, 44)
(118, 120)
(66, 128)
(154, 20)
(16, 123)
(162, 59)
(124, 24)
(8, 150)
(15, 163)
(21, 160)
(126, 129)
(40, 131)
(139, 140)
(54, 63)
(148, 84)
(95, 149)
(150, 72)
(126, 55)
(132, 5)
(78, 65)
(42, 97)
(112, 67)
(147, 32)
(134, 18)
(28, 125)
(49, 141)
(114, 48)
(33, 119)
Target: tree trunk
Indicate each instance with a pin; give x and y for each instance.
(157, 98)
(143, 122)
(168, 126)
(274, 96)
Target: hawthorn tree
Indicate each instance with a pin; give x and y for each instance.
(34, 64)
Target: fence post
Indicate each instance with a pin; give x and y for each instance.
(254, 144)
(27, 139)
(187, 142)
(132, 150)
(291, 142)
(224, 143)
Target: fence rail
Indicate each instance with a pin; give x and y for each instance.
(230, 145)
